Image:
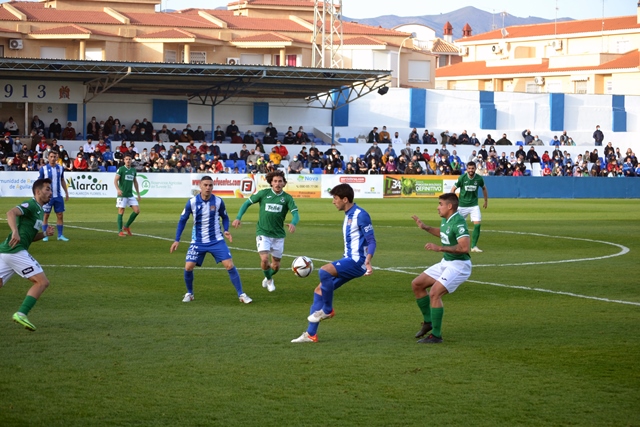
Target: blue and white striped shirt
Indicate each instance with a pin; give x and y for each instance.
(56, 175)
(359, 239)
(206, 220)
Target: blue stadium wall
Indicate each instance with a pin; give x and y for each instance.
(562, 187)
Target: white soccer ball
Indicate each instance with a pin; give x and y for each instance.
(302, 266)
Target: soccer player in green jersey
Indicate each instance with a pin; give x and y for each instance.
(444, 277)
(468, 185)
(25, 222)
(270, 233)
(124, 182)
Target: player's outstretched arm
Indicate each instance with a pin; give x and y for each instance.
(431, 230)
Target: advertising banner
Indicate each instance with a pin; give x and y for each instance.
(42, 91)
(364, 186)
(298, 186)
(415, 185)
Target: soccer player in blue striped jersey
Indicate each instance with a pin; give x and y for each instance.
(207, 236)
(359, 247)
(55, 173)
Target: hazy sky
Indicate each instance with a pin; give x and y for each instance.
(577, 9)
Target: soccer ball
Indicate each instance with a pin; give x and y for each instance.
(302, 266)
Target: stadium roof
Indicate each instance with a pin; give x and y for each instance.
(207, 84)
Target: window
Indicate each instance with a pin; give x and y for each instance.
(251, 59)
(580, 86)
(170, 56)
(380, 60)
(290, 60)
(198, 57)
(532, 87)
(419, 71)
(442, 60)
(93, 54)
(622, 46)
(608, 87)
(53, 53)
(1, 51)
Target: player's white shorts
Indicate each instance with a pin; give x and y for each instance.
(123, 202)
(273, 245)
(473, 211)
(20, 262)
(450, 273)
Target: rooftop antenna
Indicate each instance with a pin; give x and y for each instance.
(493, 20)
(555, 23)
(602, 38)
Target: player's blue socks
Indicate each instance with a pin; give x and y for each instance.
(59, 227)
(235, 279)
(44, 228)
(326, 284)
(188, 280)
(317, 305)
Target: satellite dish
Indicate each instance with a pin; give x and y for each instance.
(504, 32)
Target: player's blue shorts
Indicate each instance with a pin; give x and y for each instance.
(197, 252)
(57, 203)
(347, 269)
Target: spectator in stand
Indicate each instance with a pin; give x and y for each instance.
(253, 157)
(596, 169)
(289, 136)
(464, 138)
(594, 156)
(282, 151)
(427, 138)
(455, 167)
(407, 152)
(198, 134)
(251, 167)
(396, 139)
(93, 164)
(89, 147)
(101, 146)
(385, 136)
(532, 156)
(120, 135)
(389, 151)
(444, 137)
(637, 170)
(315, 161)
(295, 166)
(374, 136)
(93, 129)
(144, 135)
(374, 167)
(115, 127)
(546, 159)
(391, 166)
(444, 151)
(571, 142)
(301, 136)
(189, 131)
(303, 156)
(454, 155)
(275, 157)
(133, 150)
(218, 134)
(613, 168)
(192, 151)
(473, 140)
(203, 148)
(609, 150)
(69, 133)
(217, 166)
(260, 147)
(453, 140)
(555, 141)
(521, 152)
(361, 166)
(184, 137)
(80, 163)
(12, 127)
(482, 153)
(243, 153)
(598, 136)
(248, 138)
(526, 137)
(55, 129)
(489, 140)
(414, 138)
(270, 134)
(504, 140)
(564, 138)
(144, 156)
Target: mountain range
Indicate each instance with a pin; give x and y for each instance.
(479, 20)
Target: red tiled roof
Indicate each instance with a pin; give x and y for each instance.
(264, 37)
(40, 14)
(443, 46)
(5, 15)
(565, 27)
(479, 68)
(363, 40)
(258, 24)
(71, 29)
(168, 20)
(353, 28)
(173, 33)
(289, 3)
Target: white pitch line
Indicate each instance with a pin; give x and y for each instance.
(624, 250)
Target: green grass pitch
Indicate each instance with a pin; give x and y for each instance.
(544, 333)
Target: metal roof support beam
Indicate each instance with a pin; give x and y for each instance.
(96, 87)
(216, 95)
(336, 98)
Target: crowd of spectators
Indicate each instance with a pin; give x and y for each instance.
(187, 150)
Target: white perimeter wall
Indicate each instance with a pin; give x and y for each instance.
(445, 110)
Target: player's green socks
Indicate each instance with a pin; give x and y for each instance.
(475, 235)
(27, 305)
(119, 222)
(268, 273)
(425, 307)
(436, 321)
(132, 218)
